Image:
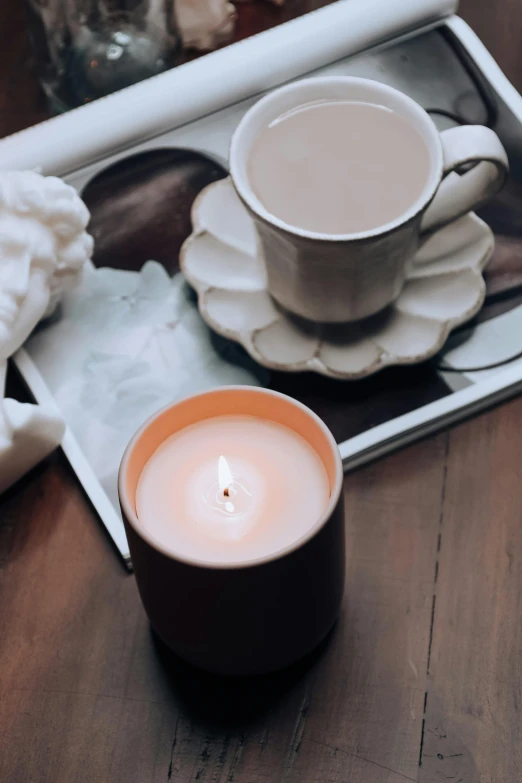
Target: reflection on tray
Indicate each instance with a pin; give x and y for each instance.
(140, 206)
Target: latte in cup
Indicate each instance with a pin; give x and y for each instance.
(342, 177)
(338, 167)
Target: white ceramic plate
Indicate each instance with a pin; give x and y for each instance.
(444, 288)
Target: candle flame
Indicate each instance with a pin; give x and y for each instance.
(225, 477)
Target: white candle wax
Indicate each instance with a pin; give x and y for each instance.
(231, 489)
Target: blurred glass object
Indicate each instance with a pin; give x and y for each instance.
(86, 49)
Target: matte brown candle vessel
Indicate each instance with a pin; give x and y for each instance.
(254, 616)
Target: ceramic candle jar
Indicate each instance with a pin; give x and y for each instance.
(232, 502)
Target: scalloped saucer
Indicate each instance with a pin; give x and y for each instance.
(444, 288)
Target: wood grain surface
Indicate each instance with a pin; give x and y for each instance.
(420, 680)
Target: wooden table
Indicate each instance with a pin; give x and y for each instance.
(421, 679)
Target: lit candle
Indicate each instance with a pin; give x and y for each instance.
(232, 503)
(231, 488)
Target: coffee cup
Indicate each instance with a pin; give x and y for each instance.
(336, 276)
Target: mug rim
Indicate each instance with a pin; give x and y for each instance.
(247, 195)
(132, 518)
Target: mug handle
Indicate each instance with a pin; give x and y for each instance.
(458, 195)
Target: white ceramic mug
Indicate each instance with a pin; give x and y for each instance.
(338, 278)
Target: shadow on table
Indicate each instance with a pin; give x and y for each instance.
(219, 701)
